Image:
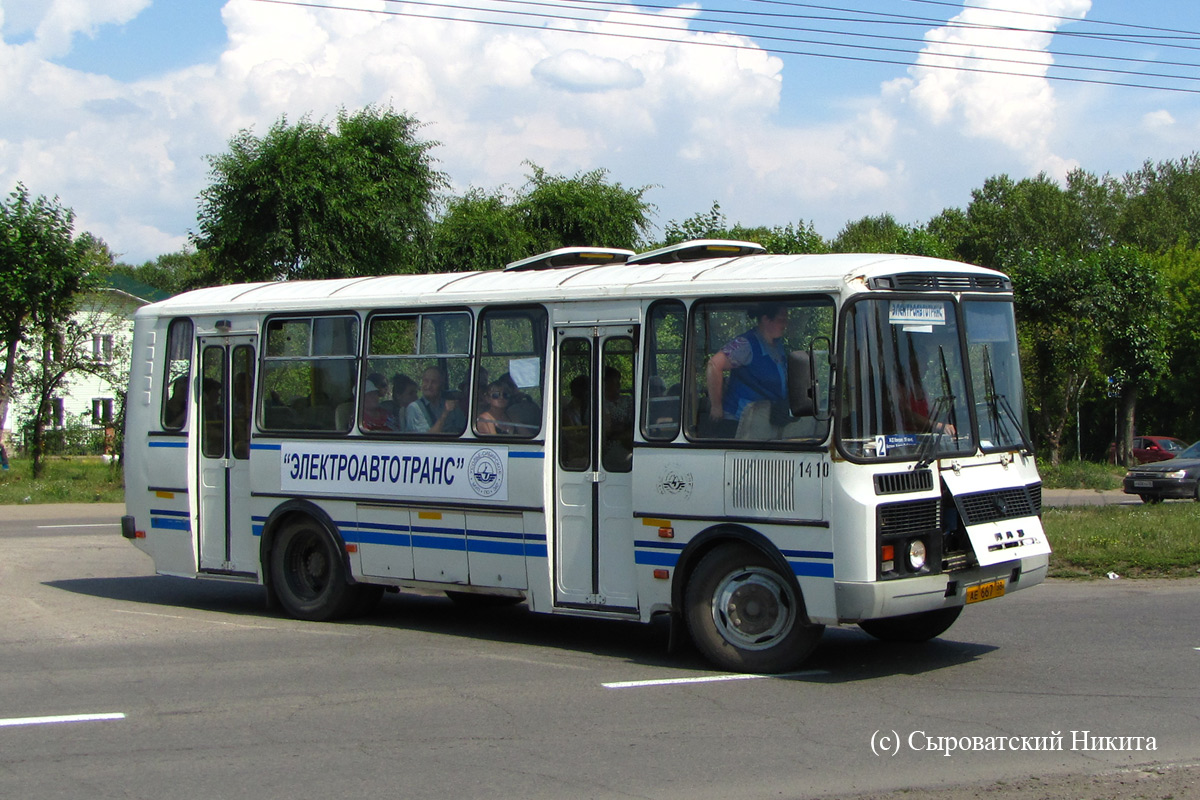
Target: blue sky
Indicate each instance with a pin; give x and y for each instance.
(113, 106)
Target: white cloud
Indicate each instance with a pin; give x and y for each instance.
(700, 123)
(981, 73)
(577, 71)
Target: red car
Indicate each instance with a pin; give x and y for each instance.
(1147, 449)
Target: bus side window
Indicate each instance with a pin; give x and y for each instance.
(663, 392)
(308, 371)
(177, 370)
(511, 359)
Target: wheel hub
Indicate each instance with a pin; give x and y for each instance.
(752, 609)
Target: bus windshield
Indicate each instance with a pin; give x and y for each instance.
(996, 375)
(904, 393)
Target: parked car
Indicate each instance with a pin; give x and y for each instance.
(1177, 477)
(1147, 449)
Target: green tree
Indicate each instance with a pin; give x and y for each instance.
(305, 201)
(1174, 408)
(1059, 328)
(1006, 218)
(43, 266)
(582, 211)
(1163, 205)
(479, 231)
(712, 224)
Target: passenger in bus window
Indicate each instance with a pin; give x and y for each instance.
(494, 419)
(523, 410)
(434, 411)
(756, 363)
(375, 415)
(175, 413)
(404, 393)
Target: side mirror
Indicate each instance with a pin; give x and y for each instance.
(802, 384)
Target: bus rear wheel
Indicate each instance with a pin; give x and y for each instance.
(307, 573)
(912, 627)
(744, 616)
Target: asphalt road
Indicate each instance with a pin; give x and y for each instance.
(199, 692)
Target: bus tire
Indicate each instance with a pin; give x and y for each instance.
(919, 627)
(744, 616)
(307, 573)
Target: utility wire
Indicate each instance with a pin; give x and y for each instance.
(834, 32)
(736, 46)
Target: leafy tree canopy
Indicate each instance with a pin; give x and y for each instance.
(307, 201)
(585, 210)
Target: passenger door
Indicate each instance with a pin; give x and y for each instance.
(226, 390)
(593, 516)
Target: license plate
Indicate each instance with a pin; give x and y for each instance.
(985, 591)
(1143, 484)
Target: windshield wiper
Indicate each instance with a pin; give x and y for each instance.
(999, 408)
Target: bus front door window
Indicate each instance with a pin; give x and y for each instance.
(593, 527)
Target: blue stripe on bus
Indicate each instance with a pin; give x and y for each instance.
(159, 443)
(438, 543)
(166, 512)
(807, 554)
(811, 570)
(656, 559)
(379, 537)
(171, 524)
(265, 446)
(499, 548)
(526, 454)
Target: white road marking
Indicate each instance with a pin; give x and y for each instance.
(8, 723)
(83, 525)
(709, 679)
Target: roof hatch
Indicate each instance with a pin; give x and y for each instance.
(698, 249)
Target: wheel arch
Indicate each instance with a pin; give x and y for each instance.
(283, 514)
(727, 533)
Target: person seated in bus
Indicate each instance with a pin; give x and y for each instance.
(617, 410)
(575, 410)
(404, 392)
(523, 410)
(493, 420)
(757, 365)
(434, 411)
(375, 416)
(175, 413)
(910, 393)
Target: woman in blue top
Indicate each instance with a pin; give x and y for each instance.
(756, 363)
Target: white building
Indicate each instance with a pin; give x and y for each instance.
(108, 311)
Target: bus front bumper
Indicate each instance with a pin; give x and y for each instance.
(875, 599)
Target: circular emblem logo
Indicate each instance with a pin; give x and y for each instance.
(486, 472)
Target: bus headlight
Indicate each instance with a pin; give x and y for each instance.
(916, 555)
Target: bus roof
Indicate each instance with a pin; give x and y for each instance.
(590, 282)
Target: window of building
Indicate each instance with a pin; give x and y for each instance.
(102, 410)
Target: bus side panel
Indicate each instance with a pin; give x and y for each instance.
(783, 496)
(157, 467)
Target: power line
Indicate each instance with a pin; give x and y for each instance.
(769, 49)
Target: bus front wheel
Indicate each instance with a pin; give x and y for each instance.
(919, 627)
(307, 573)
(744, 616)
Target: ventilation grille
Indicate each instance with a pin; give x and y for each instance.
(1001, 504)
(764, 484)
(918, 516)
(942, 282)
(904, 482)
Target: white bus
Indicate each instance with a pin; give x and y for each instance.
(756, 445)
